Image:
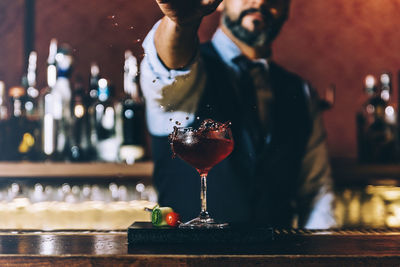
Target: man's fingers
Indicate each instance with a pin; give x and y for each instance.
(164, 1)
(211, 5)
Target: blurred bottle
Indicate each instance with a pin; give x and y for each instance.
(31, 101)
(19, 131)
(3, 118)
(32, 93)
(376, 124)
(93, 83)
(62, 94)
(103, 124)
(49, 108)
(132, 114)
(4, 114)
(79, 138)
(90, 101)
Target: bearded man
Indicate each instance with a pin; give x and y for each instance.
(278, 174)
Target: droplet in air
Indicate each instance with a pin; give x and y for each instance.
(197, 118)
(170, 119)
(111, 17)
(115, 24)
(131, 27)
(187, 118)
(154, 81)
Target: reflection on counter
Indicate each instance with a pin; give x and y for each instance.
(372, 206)
(91, 207)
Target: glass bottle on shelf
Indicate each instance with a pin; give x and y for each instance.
(31, 100)
(79, 138)
(3, 118)
(62, 94)
(90, 101)
(376, 137)
(386, 95)
(20, 138)
(49, 108)
(132, 113)
(32, 93)
(93, 83)
(103, 124)
(392, 147)
(3, 102)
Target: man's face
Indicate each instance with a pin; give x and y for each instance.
(255, 22)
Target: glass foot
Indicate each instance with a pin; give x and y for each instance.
(207, 223)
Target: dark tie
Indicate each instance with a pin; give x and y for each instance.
(256, 97)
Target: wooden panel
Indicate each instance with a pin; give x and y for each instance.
(111, 249)
(71, 170)
(11, 41)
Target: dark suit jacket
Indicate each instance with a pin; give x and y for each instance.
(258, 181)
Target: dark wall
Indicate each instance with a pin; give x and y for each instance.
(326, 42)
(340, 41)
(11, 41)
(98, 31)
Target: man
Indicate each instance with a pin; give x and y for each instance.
(278, 173)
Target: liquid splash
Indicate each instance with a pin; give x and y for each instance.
(208, 125)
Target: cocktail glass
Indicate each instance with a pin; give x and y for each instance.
(203, 148)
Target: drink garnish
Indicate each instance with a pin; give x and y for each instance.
(158, 215)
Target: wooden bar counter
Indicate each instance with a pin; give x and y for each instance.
(289, 248)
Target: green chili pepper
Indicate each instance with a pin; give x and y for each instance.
(158, 215)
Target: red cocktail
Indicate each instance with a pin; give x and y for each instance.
(203, 148)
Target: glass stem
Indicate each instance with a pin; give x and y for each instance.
(203, 197)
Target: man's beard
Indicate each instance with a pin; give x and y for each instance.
(254, 38)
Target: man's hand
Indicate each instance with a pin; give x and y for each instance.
(186, 12)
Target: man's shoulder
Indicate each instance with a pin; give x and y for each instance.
(279, 72)
(208, 50)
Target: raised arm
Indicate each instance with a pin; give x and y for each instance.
(176, 38)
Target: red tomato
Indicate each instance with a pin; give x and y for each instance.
(172, 219)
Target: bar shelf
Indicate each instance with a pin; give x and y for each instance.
(75, 170)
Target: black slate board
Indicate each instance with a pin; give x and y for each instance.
(146, 233)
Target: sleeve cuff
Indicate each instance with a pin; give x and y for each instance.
(159, 69)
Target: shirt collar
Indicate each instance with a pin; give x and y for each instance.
(228, 50)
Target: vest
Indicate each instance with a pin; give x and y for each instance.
(257, 183)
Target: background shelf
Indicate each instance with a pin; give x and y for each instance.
(75, 170)
(348, 171)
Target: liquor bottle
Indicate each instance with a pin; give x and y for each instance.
(103, 124)
(386, 91)
(376, 139)
(386, 95)
(93, 83)
(48, 109)
(31, 102)
(32, 93)
(3, 102)
(132, 114)
(20, 137)
(62, 94)
(3, 118)
(79, 138)
(90, 101)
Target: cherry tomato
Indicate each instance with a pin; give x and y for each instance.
(172, 219)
